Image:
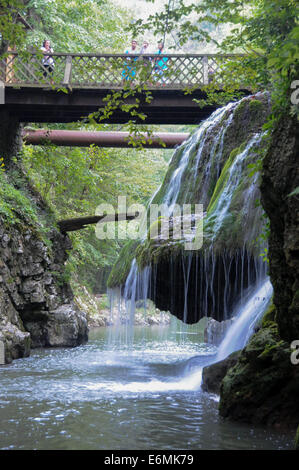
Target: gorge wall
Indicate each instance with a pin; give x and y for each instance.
(36, 301)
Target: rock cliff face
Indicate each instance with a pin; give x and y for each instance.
(36, 301)
(280, 177)
(36, 305)
(263, 387)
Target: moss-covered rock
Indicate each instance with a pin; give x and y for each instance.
(213, 375)
(269, 316)
(279, 179)
(262, 387)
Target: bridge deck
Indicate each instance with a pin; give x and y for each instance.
(79, 83)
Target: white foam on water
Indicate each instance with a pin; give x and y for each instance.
(191, 382)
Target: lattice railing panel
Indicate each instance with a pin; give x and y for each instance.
(113, 70)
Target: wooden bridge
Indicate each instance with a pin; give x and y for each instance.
(79, 83)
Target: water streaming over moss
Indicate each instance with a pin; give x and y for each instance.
(211, 169)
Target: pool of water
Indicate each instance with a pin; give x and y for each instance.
(106, 395)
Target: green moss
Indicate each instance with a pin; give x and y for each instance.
(240, 109)
(255, 106)
(269, 316)
(155, 228)
(223, 178)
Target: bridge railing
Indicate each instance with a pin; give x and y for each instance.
(172, 71)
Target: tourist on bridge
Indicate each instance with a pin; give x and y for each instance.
(147, 61)
(160, 64)
(47, 61)
(145, 47)
(129, 72)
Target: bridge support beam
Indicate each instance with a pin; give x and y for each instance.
(102, 139)
(10, 137)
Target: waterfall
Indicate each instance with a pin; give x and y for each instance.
(233, 179)
(246, 317)
(201, 135)
(207, 169)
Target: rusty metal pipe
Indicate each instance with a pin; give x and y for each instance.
(100, 139)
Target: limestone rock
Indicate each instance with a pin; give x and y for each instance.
(67, 326)
(36, 307)
(215, 331)
(213, 375)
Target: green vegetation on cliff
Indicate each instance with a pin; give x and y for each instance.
(15, 207)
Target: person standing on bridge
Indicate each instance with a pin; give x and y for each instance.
(47, 61)
(160, 64)
(147, 61)
(129, 72)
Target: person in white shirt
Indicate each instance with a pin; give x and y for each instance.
(47, 60)
(147, 62)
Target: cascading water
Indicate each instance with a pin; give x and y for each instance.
(201, 135)
(212, 130)
(246, 317)
(243, 278)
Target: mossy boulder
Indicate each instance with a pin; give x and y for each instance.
(263, 386)
(213, 375)
(269, 316)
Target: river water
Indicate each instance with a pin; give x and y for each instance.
(106, 395)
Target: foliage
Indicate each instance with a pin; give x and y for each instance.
(12, 30)
(71, 26)
(15, 207)
(267, 31)
(74, 181)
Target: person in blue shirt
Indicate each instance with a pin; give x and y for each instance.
(129, 72)
(161, 64)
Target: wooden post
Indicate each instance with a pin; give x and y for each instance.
(68, 72)
(10, 73)
(2, 92)
(205, 70)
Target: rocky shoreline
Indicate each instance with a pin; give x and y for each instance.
(100, 315)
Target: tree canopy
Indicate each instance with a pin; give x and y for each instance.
(267, 31)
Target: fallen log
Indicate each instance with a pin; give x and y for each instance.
(70, 225)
